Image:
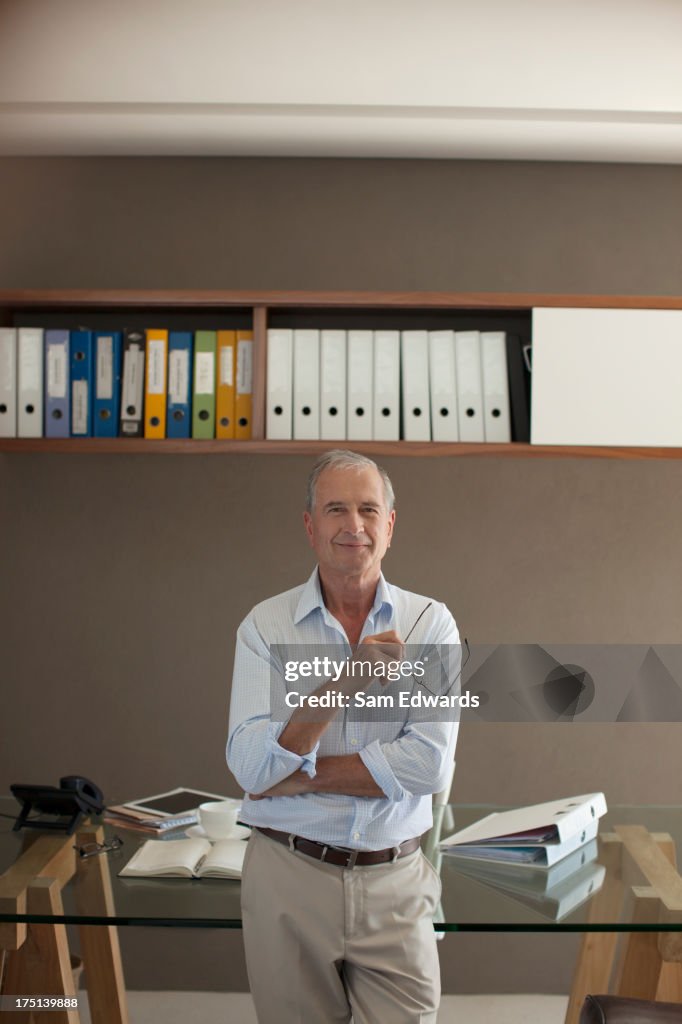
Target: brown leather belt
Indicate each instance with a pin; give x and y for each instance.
(340, 857)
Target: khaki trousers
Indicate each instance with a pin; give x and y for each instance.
(324, 942)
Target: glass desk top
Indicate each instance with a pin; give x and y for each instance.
(592, 900)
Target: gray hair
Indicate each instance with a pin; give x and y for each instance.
(341, 458)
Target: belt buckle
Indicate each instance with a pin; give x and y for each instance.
(351, 854)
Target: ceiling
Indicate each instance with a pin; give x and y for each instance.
(522, 79)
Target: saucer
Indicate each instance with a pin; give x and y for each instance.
(198, 832)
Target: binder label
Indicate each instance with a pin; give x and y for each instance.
(79, 406)
(226, 368)
(204, 373)
(56, 371)
(279, 364)
(156, 349)
(133, 373)
(178, 376)
(385, 363)
(468, 360)
(333, 362)
(244, 367)
(105, 368)
(441, 356)
(7, 365)
(29, 362)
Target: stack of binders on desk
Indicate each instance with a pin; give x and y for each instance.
(539, 835)
(543, 856)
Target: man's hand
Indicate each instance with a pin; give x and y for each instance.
(306, 725)
(381, 647)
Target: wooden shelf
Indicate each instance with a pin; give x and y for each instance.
(186, 299)
(430, 449)
(260, 305)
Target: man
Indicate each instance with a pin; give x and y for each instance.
(337, 898)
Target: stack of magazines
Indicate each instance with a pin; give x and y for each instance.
(544, 856)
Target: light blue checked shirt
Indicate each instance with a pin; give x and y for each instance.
(408, 754)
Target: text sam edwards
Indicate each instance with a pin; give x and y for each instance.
(334, 699)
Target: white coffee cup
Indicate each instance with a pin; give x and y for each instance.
(218, 818)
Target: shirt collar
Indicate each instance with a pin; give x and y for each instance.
(311, 598)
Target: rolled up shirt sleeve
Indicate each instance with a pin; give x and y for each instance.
(418, 762)
(254, 755)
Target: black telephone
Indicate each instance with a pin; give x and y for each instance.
(75, 797)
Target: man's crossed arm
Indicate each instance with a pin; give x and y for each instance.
(345, 773)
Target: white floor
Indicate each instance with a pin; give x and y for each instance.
(237, 1008)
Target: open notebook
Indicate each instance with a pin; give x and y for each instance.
(187, 858)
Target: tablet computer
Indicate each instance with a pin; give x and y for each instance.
(175, 802)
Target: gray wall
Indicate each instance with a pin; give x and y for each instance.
(126, 576)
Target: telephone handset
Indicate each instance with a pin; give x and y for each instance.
(75, 797)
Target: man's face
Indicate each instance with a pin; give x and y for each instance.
(350, 527)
